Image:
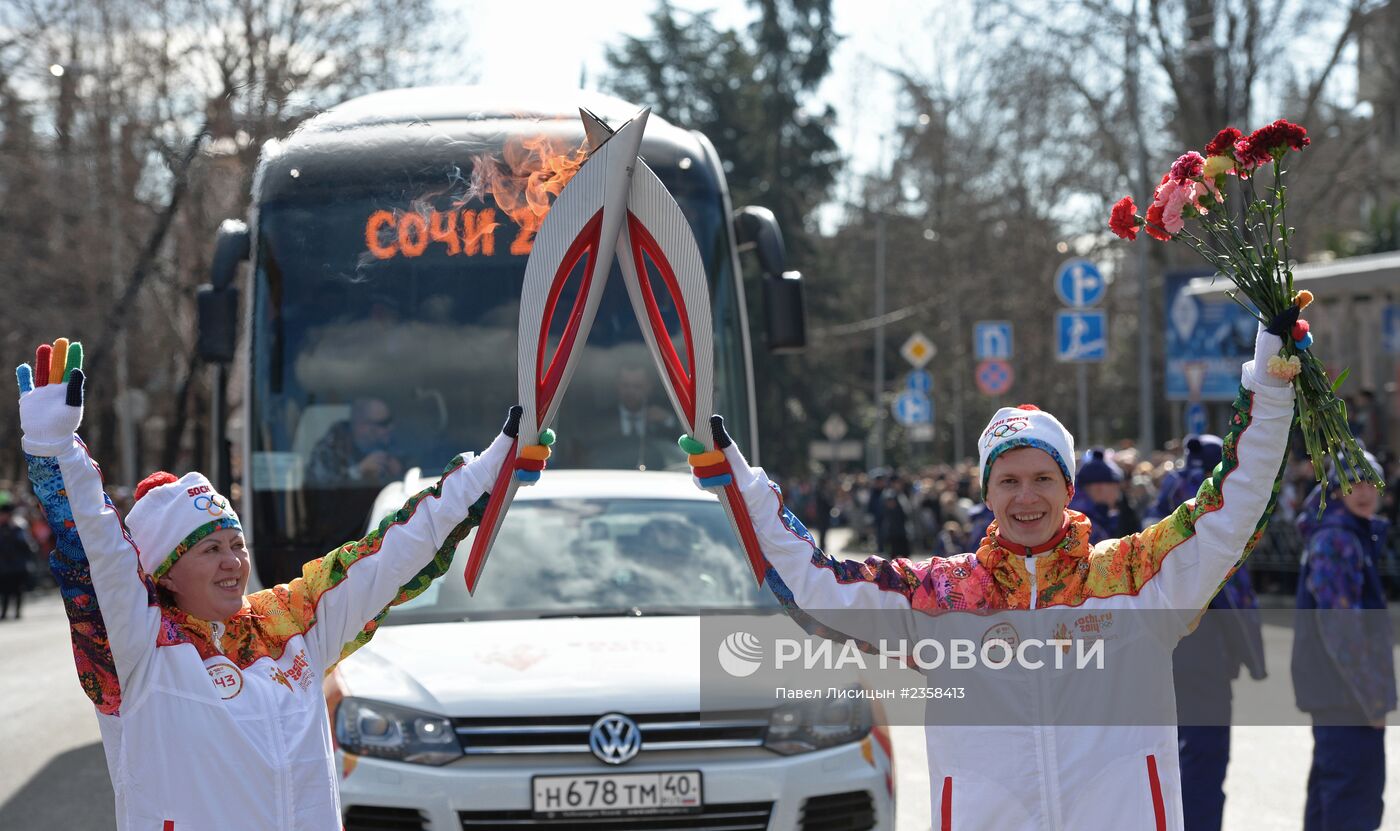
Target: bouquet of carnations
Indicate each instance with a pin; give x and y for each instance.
(1250, 247)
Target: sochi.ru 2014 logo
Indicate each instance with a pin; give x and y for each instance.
(740, 654)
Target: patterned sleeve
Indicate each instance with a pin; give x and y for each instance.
(1182, 561)
(340, 598)
(92, 648)
(1335, 580)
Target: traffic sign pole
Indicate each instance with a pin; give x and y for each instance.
(1082, 439)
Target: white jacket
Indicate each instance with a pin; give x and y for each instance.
(223, 726)
(1037, 774)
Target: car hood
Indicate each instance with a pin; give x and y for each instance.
(560, 666)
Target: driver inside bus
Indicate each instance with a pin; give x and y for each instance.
(184, 669)
(641, 434)
(356, 452)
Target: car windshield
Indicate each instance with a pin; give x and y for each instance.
(593, 557)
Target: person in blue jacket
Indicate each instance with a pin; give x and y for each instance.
(1208, 660)
(1098, 494)
(1343, 666)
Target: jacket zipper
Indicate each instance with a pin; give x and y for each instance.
(1030, 568)
(1044, 733)
(216, 630)
(946, 808)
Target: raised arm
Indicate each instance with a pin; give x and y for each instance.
(1182, 561)
(110, 602)
(868, 601)
(340, 598)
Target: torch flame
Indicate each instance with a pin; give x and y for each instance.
(525, 181)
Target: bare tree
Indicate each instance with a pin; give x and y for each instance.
(128, 130)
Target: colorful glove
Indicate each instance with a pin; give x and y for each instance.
(51, 398)
(1270, 367)
(532, 457)
(714, 469)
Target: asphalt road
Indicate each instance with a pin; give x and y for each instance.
(53, 774)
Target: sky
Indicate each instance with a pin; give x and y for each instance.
(877, 33)
(864, 96)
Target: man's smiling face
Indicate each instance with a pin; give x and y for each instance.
(1027, 493)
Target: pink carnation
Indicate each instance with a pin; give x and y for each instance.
(1172, 198)
(1189, 166)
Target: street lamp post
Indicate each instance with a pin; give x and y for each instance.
(878, 456)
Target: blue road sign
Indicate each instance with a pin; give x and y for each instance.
(919, 380)
(1391, 329)
(1081, 335)
(994, 377)
(1206, 341)
(992, 339)
(1196, 418)
(912, 408)
(1079, 283)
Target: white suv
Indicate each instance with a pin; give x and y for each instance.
(566, 693)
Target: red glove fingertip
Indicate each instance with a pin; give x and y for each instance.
(42, 356)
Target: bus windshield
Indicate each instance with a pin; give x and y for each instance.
(384, 330)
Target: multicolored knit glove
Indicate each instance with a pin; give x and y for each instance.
(715, 469)
(51, 397)
(1269, 366)
(531, 459)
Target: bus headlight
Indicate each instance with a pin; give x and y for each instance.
(387, 731)
(804, 726)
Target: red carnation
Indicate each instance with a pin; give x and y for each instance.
(1277, 138)
(1224, 142)
(1250, 155)
(1153, 226)
(1123, 220)
(1281, 133)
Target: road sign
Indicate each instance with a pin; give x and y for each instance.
(1196, 418)
(992, 339)
(1079, 283)
(919, 380)
(834, 428)
(921, 432)
(1206, 341)
(912, 408)
(1081, 335)
(994, 377)
(849, 450)
(1390, 328)
(918, 350)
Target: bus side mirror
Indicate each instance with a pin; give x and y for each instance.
(758, 230)
(785, 314)
(218, 323)
(230, 249)
(217, 301)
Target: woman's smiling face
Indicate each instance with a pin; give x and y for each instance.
(208, 581)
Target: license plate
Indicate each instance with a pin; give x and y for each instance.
(617, 794)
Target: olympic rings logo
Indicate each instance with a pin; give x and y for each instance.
(214, 507)
(1001, 431)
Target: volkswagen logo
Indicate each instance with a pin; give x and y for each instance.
(615, 739)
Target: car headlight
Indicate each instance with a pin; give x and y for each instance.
(804, 726)
(373, 728)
